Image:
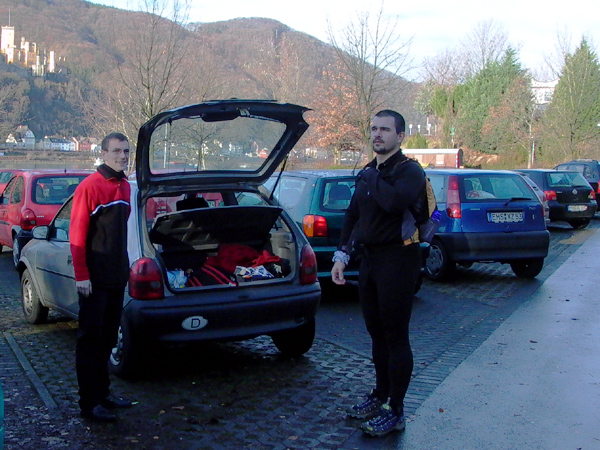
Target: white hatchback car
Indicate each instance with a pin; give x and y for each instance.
(212, 257)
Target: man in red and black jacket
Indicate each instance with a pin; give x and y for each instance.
(98, 236)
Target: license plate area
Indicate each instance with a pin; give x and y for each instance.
(505, 217)
(576, 208)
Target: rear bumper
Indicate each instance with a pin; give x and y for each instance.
(500, 247)
(560, 211)
(240, 314)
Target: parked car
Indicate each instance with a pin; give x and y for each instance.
(32, 198)
(317, 201)
(487, 216)
(588, 168)
(570, 197)
(193, 277)
(5, 176)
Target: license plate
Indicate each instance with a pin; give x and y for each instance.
(505, 217)
(576, 208)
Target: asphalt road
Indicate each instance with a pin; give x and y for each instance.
(243, 395)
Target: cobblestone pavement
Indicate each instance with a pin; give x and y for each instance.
(242, 395)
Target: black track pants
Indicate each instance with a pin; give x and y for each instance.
(387, 280)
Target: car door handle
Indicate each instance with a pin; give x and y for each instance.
(70, 260)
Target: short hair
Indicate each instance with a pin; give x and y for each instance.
(118, 136)
(398, 119)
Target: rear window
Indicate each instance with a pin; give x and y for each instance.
(54, 190)
(589, 171)
(565, 179)
(288, 191)
(337, 194)
(5, 177)
(485, 187)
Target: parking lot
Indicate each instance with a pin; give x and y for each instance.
(243, 395)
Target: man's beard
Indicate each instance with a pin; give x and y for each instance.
(382, 150)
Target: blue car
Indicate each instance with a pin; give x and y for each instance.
(487, 216)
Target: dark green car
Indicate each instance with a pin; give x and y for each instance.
(317, 201)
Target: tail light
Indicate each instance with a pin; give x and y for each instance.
(314, 226)
(453, 208)
(28, 220)
(592, 195)
(146, 280)
(550, 195)
(308, 266)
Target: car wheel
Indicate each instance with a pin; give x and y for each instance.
(297, 341)
(126, 358)
(33, 309)
(438, 266)
(579, 224)
(527, 268)
(16, 251)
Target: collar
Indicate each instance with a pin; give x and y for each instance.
(109, 173)
(390, 162)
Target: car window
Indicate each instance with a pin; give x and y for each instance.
(62, 221)
(337, 194)
(7, 190)
(5, 177)
(250, 199)
(289, 191)
(492, 186)
(17, 194)
(438, 184)
(54, 190)
(566, 179)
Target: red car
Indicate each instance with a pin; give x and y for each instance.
(32, 198)
(5, 176)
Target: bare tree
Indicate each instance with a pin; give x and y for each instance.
(486, 43)
(375, 58)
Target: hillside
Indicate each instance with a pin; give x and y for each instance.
(253, 58)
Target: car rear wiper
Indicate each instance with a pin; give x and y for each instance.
(516, 199)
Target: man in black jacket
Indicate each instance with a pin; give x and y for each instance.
(379, 221)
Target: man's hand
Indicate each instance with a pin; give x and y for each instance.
(337, 273)
(84, 287)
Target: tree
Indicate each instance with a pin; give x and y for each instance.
(152, 75)
(13, 102)
(571, 121)
(375, 58)
(485, 44)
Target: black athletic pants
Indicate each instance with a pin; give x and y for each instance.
(387, 279)
(99, 318)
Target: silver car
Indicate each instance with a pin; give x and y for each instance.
(212, 257)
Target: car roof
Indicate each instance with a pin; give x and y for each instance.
(36, 172)
(469, 171)
(546, 170)
(319, 173)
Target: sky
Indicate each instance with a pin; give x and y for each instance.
(433, 26)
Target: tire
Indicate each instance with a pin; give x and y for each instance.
(438, 266)
(33, 309)
(579, 224)
(527, 268)
(16, 251)
(127, 357)
(297, 341)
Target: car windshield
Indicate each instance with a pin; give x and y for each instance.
(191, 144)
(482, 187)
(5, 177)
(54, 190)
(566, 179)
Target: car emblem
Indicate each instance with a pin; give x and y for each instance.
(574, 191)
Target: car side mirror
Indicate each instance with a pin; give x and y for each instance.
(41, 232)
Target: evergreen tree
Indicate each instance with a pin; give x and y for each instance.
(571, 122)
